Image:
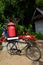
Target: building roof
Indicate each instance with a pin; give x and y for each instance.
(40, 10)
(38, 17)
(38, 14)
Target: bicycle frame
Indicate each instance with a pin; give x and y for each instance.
(28, 44)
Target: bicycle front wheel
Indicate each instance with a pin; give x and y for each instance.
(33, 53)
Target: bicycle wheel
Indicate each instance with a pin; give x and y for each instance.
(11, 48)
(33, 53)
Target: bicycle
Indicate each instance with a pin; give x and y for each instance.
(31, 51)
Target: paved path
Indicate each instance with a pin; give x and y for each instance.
(6, 59)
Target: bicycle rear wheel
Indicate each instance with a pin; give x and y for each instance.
(11, 48)
(33, 53)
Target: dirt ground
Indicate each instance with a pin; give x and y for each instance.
(7, 59)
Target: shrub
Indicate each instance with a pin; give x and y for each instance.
(39, 35)
(30, 30)
(20, 29)
(0, 31)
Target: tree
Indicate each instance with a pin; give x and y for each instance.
(39, 3)
(21, 9)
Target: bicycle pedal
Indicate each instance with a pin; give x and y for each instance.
(19, 51)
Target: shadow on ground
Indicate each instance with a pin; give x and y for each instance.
(37, 63)
(40, 62)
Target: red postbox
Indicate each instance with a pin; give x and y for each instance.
(11, 29)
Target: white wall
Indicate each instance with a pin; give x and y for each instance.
(39, 26)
